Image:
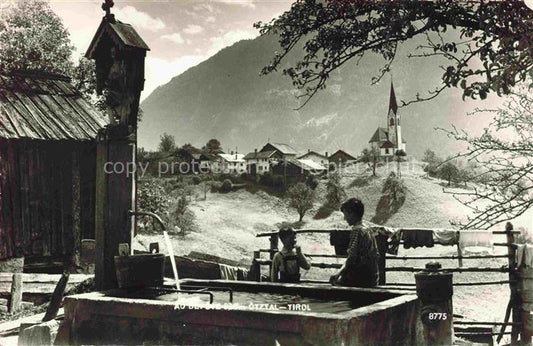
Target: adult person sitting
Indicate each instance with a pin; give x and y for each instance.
(361, 266)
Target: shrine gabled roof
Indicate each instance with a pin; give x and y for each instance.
(123, 33)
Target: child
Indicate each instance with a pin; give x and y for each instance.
(287, 262)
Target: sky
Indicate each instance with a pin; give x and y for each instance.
(180, 33)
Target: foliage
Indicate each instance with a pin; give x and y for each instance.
(503, 153)
(272, 180)
(395, 188)
(167, 143)
(182, 219)
(226, 186)
(312, 182)
(393, 197)
(449, 172)
(213, 146)
(370, 156)
(495, 33)
(152, 197)
(335, 193)
(430, 156)
(32, 37)
(196, 180)
(433, 162)
(301, 198)
(215, 186)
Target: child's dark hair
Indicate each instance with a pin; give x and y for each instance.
(354, 206)
(285, 232)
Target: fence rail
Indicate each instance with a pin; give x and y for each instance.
(513, 306)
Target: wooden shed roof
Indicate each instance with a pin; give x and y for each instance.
(41, 105)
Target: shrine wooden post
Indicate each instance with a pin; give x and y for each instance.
(119, 54)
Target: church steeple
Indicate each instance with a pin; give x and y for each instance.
(393, 120)
(392, 100)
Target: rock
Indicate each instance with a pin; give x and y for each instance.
(39, 334)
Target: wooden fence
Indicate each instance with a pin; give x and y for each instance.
(513, 307)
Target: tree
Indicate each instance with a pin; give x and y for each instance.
(213, 146)
(492, 51)
(335, 193)
(371, 156)
(399, 153)
(433, 162)
(429, 156)
(448, 171)
(503, 153)
(167, 143)
(301, 198)
(32, 37)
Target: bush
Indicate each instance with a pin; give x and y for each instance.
(215, 186)
(335, 192)
(152, 197)
(266, 180)
(196, 180)
(226, 186)
(395, 188)
(312, 182)
(182, 220)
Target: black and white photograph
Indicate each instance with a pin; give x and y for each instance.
(266, 172)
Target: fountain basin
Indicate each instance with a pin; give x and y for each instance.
(261, 314)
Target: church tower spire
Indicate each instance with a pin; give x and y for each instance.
(393, 106)
(393, 120)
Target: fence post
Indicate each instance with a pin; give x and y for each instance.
(382, 262)
(435, 291)
(513, 284)
(255, 270)
(525, 290)
(16, 292)
(273, 249)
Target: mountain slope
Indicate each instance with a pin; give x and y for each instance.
(225, 97)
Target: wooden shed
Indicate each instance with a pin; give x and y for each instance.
(47, 165)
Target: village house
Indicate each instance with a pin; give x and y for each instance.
(388, 140)
(315, 157)
(232, 163)
(207, 161)
(298, 168)
(341, 159)
(260, 162)
(47, 166)
(285, 150)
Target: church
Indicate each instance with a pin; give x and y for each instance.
(387, 140)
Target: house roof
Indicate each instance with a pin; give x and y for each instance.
(208, 157)
(42, 105)
(312, 153)
(232, 157)
(387, 144)
(283, 148)
(122, 33)
(381, 135)
(342, 152)
(259, 155)
(310, 165)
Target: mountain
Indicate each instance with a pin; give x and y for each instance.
(225, 97)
